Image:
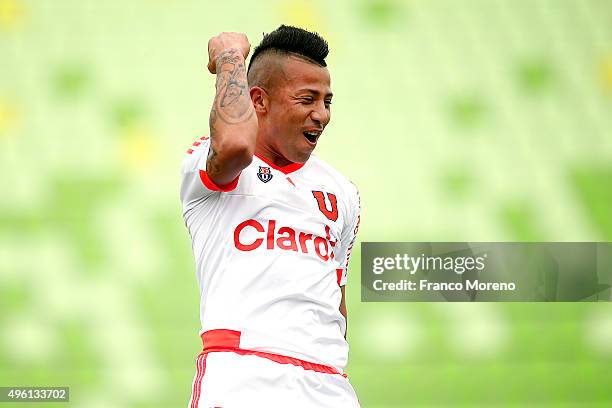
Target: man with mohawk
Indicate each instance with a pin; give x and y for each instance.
(272, 228)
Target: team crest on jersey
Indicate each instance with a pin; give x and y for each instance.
(264, 174)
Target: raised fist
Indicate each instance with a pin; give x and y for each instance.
(223, 42)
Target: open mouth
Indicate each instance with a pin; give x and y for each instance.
(312, 136)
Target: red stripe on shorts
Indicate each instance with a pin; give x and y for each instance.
(197, 383)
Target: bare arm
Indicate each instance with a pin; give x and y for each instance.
(343, 310)
(233, 123)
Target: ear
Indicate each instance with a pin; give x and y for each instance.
(260, 99)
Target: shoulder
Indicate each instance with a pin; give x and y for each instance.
(195, 154)
(327, 172)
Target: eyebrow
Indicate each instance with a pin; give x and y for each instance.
(315, 92)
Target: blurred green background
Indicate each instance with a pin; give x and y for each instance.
(482, 120)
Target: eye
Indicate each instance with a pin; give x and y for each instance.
(306, 100)
(328, 103)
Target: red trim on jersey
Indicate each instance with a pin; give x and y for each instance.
(220, 337)
(339, 275)
(197, 382)
(290, 168)
(229, 341)
(211, 185)
(189, 151)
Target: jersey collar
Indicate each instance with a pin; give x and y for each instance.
(290, 168)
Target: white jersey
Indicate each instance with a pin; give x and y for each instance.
(272, 250)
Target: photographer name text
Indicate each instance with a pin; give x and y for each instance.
(424, 263)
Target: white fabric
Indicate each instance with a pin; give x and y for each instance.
(236, 381)
(283, 301)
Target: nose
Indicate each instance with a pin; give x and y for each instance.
(320, 114)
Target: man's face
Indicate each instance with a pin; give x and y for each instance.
(299, 108)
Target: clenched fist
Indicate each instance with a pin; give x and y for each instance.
(223, 42)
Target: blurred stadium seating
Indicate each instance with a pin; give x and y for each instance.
(480, 120)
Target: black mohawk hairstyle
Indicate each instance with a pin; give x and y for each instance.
(293, 40)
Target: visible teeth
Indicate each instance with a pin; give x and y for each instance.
(312, 136)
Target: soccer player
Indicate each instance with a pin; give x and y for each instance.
(272, 228)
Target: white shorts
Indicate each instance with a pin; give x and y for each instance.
(232, 380)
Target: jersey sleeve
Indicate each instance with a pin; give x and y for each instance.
(349, 234)
(195, 182)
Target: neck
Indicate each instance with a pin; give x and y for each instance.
(270, 154)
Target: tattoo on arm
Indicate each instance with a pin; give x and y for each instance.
(212, 120)
(212, 167)
(232, 104)
(232, 101)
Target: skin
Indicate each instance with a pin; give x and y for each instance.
(343, 309)
(233, 123)
(299, 100)
(290, 95)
